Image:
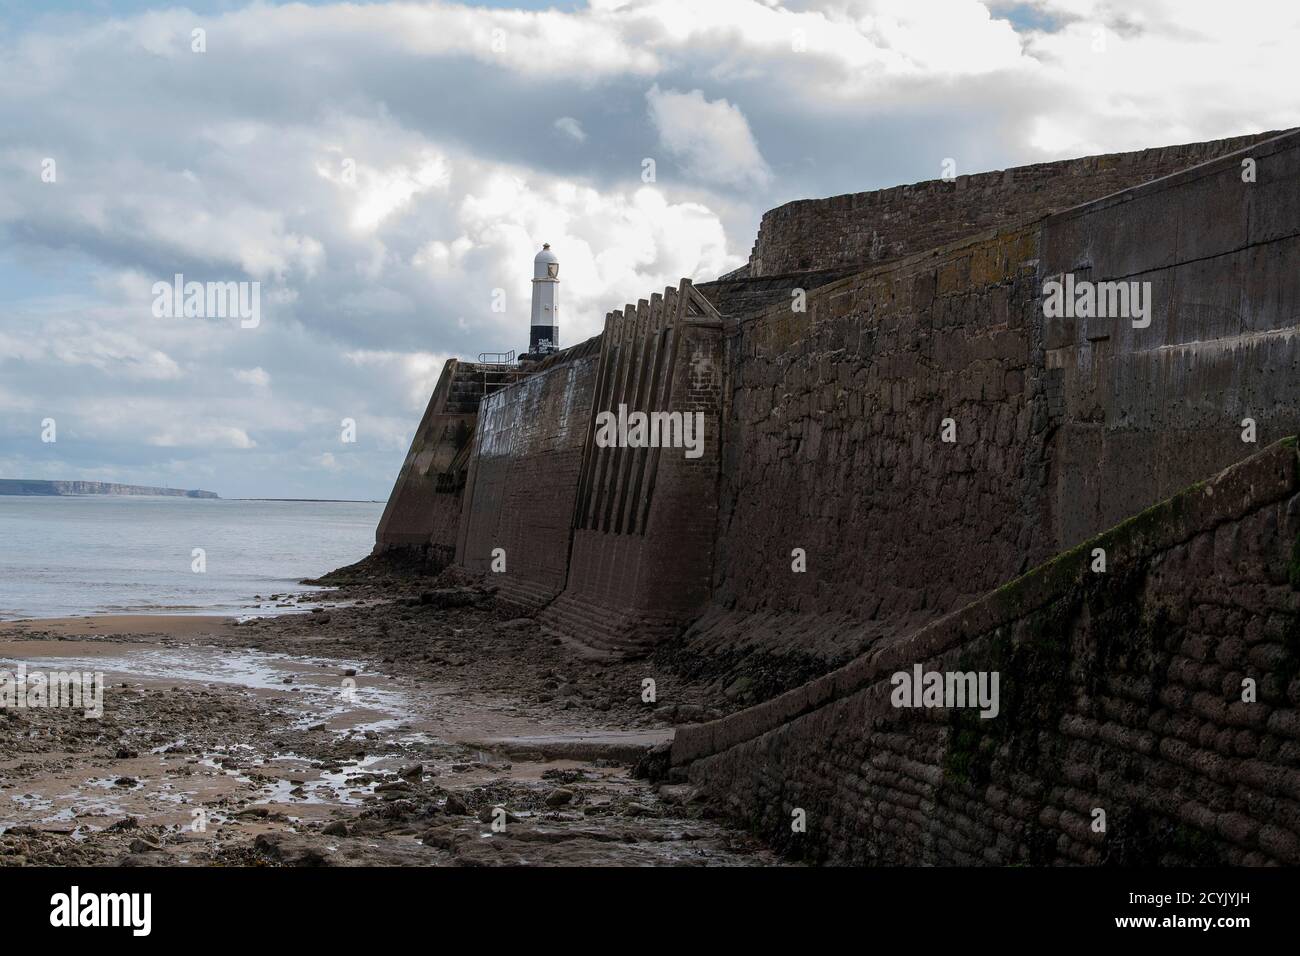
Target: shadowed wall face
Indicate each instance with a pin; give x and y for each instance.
(523, 480)
(836, 445)
(424, 508)
(1145, 412)
(642, 559)
(1063, 427)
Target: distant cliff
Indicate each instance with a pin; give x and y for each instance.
(22, 486)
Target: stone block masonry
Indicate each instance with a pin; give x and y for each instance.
(834, 445)
(1122, 692)
(858, 229)
(1062, 429)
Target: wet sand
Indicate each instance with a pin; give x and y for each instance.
(405, 725)
(165, 625)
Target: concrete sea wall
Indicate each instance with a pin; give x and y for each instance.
(1141, 413)
(523, 478)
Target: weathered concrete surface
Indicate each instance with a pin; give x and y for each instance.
(1144, 412)
(523, 477)
(1120, 691)
(642, 560)
(420, 514)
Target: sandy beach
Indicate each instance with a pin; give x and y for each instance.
(410, 721)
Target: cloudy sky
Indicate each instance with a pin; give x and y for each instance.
(381, 170)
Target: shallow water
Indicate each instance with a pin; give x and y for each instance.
(316, 694)
(61, 557)
(319, 683)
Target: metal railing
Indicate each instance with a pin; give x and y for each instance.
(499, 369)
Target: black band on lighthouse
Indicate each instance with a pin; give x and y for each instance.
(542, 339)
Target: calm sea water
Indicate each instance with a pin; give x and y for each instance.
(90, 555)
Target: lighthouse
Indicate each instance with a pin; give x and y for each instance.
(544, 336)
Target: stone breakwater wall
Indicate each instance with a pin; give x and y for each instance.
(641, 562)
(917, 434)
(613, 542)
(1062, 427)
(862, 228)
(1122, 692)
(886, 447)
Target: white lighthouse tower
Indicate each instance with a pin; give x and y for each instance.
(544, 336)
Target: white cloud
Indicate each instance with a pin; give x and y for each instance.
(571, 127)
(383, 168)
(382, 192)
(414, 372)
(74, 344)
(202, 436)
(710, 138)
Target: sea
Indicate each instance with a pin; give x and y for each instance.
(101, 554)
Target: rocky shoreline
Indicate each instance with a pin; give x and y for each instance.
(413, 719)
